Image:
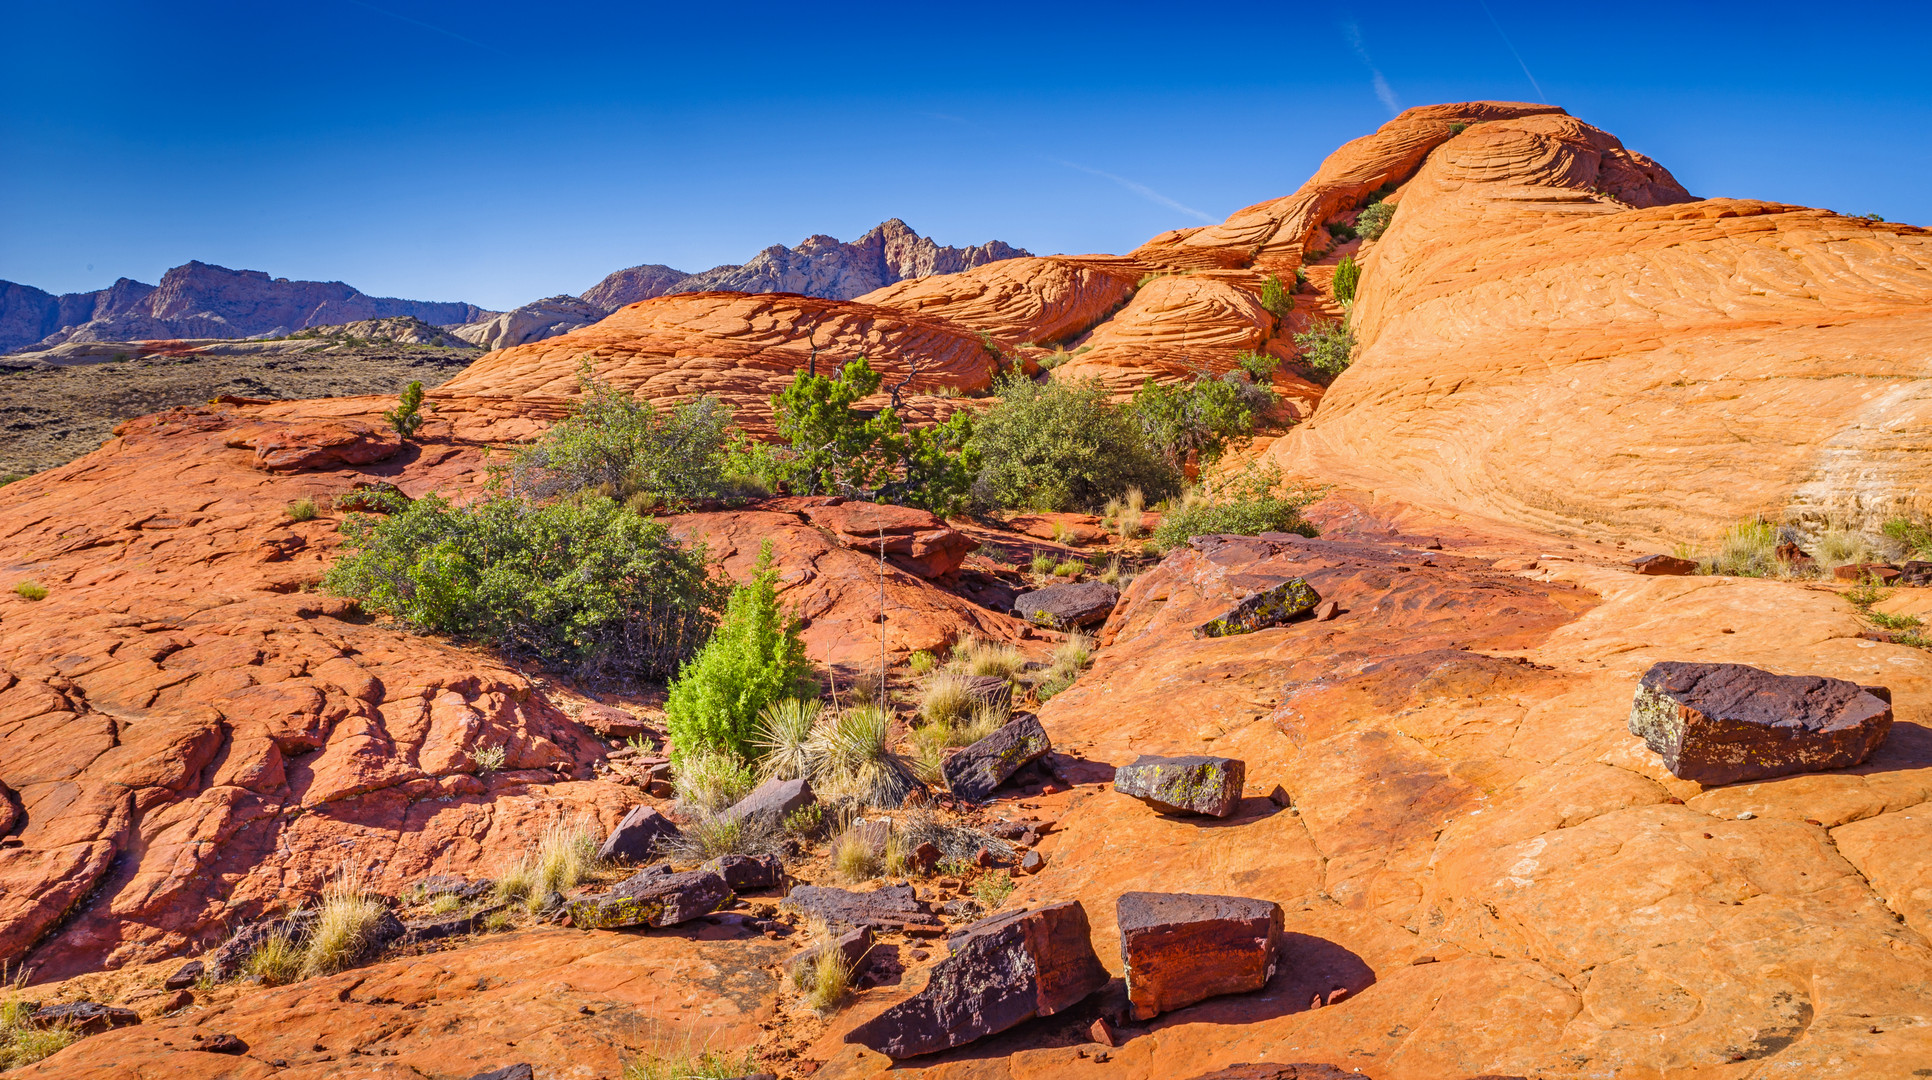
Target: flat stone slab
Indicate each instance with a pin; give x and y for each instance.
(1262, 610)
(977, 771)
(651, 898)
(1663, 565)
(1000, 972)
(1727, 723)
(1180, 948)
(637, 836)
(748, 871)
(774, 801)
(1196, 784)
(891, 907)
(1067, 607)
(84, 1017)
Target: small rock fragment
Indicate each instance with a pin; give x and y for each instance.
(1280, 797)
(220, 1043)
(1327, 610)
(975, 772)
(637, 836)
(1663, 565)
(1878, 572)
(1000, 972)
(184, 977)
(925, 857)
(1180, 948)
(1196, 784)
(1725, 723)
(748, 871)
(1032, 862)
(1262, 610)
(1102, 1032)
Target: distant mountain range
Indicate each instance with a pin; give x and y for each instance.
(200, 300)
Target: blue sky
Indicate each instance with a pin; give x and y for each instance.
(497, 152)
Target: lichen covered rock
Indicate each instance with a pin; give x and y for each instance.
(1196, 784)
(652, 898)
(1262, 610)
(975, 772)
(1725, 723)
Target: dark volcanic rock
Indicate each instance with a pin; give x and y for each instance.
(1663, 565)
(855, 944)
(184, 977)
(1196, 784)
(1002, 971)
(1724, 723)
(1066, 607)
(994, 690)
(220, 1043)
(891, 907)
(976, 771)
(1297, 1071)
(519, 1071)
(773, 800)
(748, 871)
(1262, 610)
(651, 898)
(1181, 948)
(84, 1017)
(227, 961)
(636, 837)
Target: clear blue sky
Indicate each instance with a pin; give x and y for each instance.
(496, 152)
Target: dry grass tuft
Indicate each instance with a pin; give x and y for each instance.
(22, 1042)
(342, 930)
(708, 780)
(565, 856)
(275, 961)
(975, 656)
(946, 699)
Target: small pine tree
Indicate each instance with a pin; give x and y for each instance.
(755, 658)
(407, 417)
(1348, 275)
(1276, 297)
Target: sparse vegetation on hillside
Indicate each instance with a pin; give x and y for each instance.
(582, 582)
(1911, 534)
(753, 660)
(1327, 346)
(1063, 446)
(1250, 502)
(1194, 421)
(23, 1042)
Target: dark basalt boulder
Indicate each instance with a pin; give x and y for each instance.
(651, 897)
(1663, 565)
(1180, 948)
(83, 1017)
(1000, 972)
(975, 772)
(748, 871)
(891, 907)
(1263, 610)
(1726, 723)
(637, 836)
(1068, 607)
(1196, 784)
(773, 801)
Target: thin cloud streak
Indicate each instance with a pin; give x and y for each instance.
(1143, 191)
(1540, 96)
(428, 26)
(1383, 91)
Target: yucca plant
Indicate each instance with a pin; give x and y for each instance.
(784, 727)
(851, 755)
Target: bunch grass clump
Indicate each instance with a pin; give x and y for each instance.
(30, 590)
(977, 656)
(708, 836)
(946, 699)
(564, 857)
(277, 960)
(22, 1042)
(302, 509)
(1122, 515)
(1748, 549)
(707, 780)
(1247, 503)
(989, 891)
(343, 927)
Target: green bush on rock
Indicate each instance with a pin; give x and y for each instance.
(582, 583)
(754, 659)
(1063, 446)
(1248, 503)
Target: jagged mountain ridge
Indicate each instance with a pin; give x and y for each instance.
(202, 300)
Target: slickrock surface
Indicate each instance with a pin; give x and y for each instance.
(1467, 793)
(742, 349)
(1173, 326)
(1551, 334)
(558, 999)
(195, 737)
(1039, 300)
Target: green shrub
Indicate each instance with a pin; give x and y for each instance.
(1063, 446)
(835, 448)
(1348, 277)
(1197, 419)
(1911, 534)
(302, 509)
(921, 662)
(1044, 561)
(1249, 503)
(407, 416)
(1373, 221)
(1457, 127)
(1260, 366)
(991, 890)
(630, 450)
(755, 658)
(582, 582)
(1276, 298)
(1340, 230)
(30, 590)
(1326, 346)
